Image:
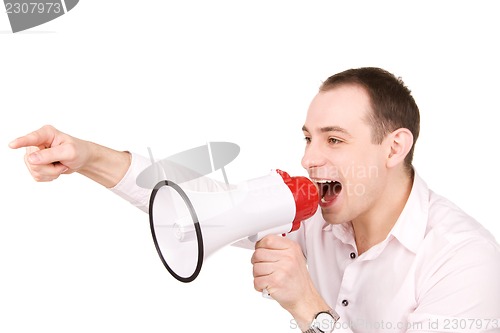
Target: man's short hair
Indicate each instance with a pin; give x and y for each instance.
(392, 104)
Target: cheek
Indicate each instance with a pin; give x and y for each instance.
(361, 165)
(360, 187)
(371, 162)
(361, 176)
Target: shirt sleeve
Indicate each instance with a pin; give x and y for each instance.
(128, 189)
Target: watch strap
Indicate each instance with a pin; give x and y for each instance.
(314, 329)
(311, 330)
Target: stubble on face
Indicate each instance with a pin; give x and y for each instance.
(340, 152)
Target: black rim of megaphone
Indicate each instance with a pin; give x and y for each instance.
(196, 223)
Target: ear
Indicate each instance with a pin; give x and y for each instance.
(399, 142)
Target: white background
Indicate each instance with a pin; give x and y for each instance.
(172, 75)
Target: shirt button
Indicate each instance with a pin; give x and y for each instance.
(345, 303)
(353, 255)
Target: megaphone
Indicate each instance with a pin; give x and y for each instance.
(189, 226)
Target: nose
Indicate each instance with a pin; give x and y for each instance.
(313, 157)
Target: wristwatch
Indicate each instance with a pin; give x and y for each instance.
(324, 322)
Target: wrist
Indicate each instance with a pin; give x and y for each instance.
(104, 165)
(305, 312)
(324, 322)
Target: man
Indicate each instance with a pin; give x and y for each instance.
(383, 252)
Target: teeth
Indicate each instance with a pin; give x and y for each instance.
(326, 186)
(324, 181)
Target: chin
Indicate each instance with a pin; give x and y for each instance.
(331, 217)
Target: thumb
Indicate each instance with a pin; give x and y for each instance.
(46, 156)
(31, 155)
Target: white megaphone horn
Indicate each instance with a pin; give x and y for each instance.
(189, 226)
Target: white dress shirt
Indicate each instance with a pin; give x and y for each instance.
(438, 270)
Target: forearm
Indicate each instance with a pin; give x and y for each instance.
(105, 166)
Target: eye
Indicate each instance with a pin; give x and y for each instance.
(307, 140)
(334, 141)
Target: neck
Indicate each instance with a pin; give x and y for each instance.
(373, 226)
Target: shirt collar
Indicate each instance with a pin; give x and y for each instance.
(410, 227)
(344, 232)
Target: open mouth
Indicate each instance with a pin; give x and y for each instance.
(328, 190)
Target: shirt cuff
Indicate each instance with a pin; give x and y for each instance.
(127, 187)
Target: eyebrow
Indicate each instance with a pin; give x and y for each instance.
(327, 129)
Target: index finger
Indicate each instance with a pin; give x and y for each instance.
(41, 137)
(273, 242)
